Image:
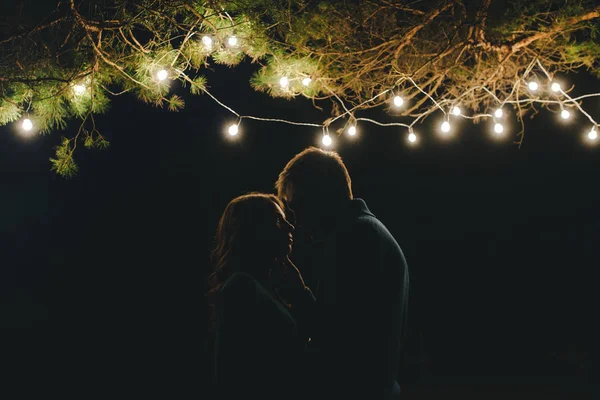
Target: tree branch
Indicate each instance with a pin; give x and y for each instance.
(411, 33)
(481, 18)
(524, 42)
(23, 80)
(34, 30)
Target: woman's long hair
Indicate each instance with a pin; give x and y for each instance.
(237, 242)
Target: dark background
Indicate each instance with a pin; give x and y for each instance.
(102, 276)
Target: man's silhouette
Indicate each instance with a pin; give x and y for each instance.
(361, 281)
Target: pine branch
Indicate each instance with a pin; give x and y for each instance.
(557, 28)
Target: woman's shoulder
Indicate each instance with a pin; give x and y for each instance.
(239, 281)
(244, 287)
(242, 284)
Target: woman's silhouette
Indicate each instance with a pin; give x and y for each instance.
(259, 340)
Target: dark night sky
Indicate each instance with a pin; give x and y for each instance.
(101, 275)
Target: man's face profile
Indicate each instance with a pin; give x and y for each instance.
(290, 205)
(306, 213)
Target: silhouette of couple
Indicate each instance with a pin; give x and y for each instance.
(276, 338)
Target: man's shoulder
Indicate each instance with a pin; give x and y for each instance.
(367, 231)
(361, 217)
(367, 224)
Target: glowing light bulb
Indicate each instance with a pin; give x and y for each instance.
(162, 75)
(352, 130)
(27, 125)
(412, 137)
(232, 41)
(533, 86)
(207, 40)
(456, 110)
(498, 128)
(233, 130)
(499, 113)
(398, 101)
(565, 114)
(555, 87)
(284, 82)
(593, 135)
(306, 81)
(445, 126)
(79, 89)
(326, 140)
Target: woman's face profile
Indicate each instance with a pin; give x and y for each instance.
(256, 226)
(279, 232)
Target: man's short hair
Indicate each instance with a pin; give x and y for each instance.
(316, 172)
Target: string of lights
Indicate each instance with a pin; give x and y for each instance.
(450, 108)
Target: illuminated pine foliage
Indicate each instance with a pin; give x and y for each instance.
(62, 62)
